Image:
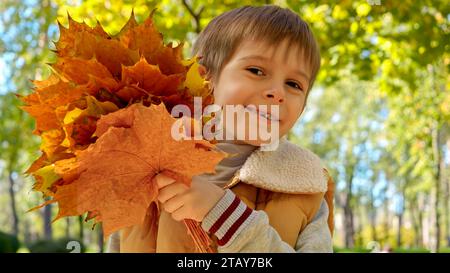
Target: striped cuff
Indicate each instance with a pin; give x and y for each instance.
(227, 218)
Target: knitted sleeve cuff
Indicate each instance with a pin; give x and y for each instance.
(227, 218)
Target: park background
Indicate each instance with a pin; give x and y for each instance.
(378, 115)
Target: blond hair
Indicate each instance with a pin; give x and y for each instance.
(218, 41)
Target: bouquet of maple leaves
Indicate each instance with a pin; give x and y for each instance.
(103, 117)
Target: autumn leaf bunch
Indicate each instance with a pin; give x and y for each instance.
(103, 117)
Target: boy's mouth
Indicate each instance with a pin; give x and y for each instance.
(267, 115)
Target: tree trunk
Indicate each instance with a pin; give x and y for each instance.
(12, 196)
(348, 213)
(447, 200)
(420, 214)
(100, 240)
(359, 242)
(437, 186)
(399, 229)
(349, 227)
(373, 223)
(423, 206)
(373, 214)
(386, 222)
(47, 215)
(81, 231)
(67, 227)
(401, 213)
(447, 212)
(26, 232)
(415, 219)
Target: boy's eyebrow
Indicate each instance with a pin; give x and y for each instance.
(259, 57)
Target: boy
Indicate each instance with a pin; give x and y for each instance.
(257, 201)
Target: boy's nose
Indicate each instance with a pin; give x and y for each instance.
(274, 95)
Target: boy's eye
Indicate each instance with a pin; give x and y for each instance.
(256, 71)
(295, 85)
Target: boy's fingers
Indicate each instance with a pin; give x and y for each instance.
(170, 191)
(174, 203)
(163, 180)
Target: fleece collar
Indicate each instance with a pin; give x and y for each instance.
(288, 169)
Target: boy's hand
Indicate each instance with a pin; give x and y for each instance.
(184, 202)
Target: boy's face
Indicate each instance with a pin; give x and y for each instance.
(258, 74)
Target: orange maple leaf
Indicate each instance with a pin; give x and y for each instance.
(115, 173)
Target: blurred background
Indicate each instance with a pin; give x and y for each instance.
(379, 114)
